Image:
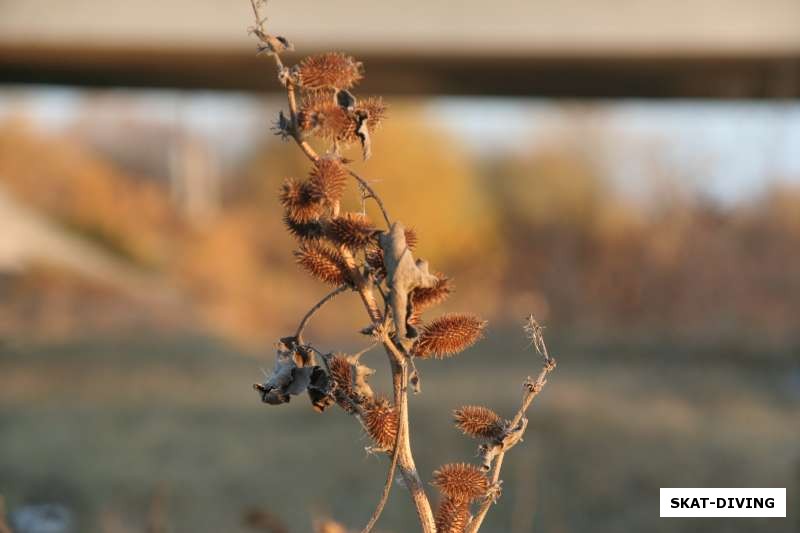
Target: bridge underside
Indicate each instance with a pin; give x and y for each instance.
(543, 75)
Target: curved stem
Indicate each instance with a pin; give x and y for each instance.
(304, 322)
(387, 486)
(372, 194)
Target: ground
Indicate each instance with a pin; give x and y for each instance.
(101, 424)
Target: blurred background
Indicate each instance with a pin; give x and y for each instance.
(627, 171)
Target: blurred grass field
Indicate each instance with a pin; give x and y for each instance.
(102, 424)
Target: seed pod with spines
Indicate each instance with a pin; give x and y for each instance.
(323, 263)
(328, 121)
(332, 70)
(381, 422)
(375, 109)
(321, 116)
(341, 372)
(448, 335)
(461, 481)
(452, 516)
(299, 202)
(304, 231)
(478, 421)
(327, 180)
(424, 298)
(353, 230)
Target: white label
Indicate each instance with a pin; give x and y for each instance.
(698, 503)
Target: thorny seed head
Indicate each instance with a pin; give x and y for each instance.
(425, 298)
(452, 516)
(353, 230)
(304, 231)
(341, 374)
(461, 481)
(322, 262)
(299, 201)
(327, 180)
(448, 335)
(323, 116)
(332, 70)
(381, 421)
(375, 109)
(479, 422)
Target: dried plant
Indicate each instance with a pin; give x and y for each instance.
(479, 422)
(347, 250)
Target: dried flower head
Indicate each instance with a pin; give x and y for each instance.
(298, 201)
(375, 109)
(477, 421)
(303, 231)
(332, 70)
(322, 262)
(449, 335)
(341, 372)
(353, 230)
(327, 180)
(381, 421)
(461, 481)
(452, 516)
(425, 298)
(323, 116)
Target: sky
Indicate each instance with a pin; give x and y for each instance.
(726, 150)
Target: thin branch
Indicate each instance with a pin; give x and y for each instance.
(532, 387)
(304, 322)
(372, 194)
(387, 487)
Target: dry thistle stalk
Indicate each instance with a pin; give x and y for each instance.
(347, 250)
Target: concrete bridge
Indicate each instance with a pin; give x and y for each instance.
(560, 48)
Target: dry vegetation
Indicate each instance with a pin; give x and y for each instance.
(349, 252)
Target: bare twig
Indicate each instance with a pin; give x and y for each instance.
(304, 322)
(372, 194)
(532, 387)
(387, 487)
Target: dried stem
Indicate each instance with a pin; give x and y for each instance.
(532, 387)
(387, 486)
(304, 322)
(401, 455)
(372, 194)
